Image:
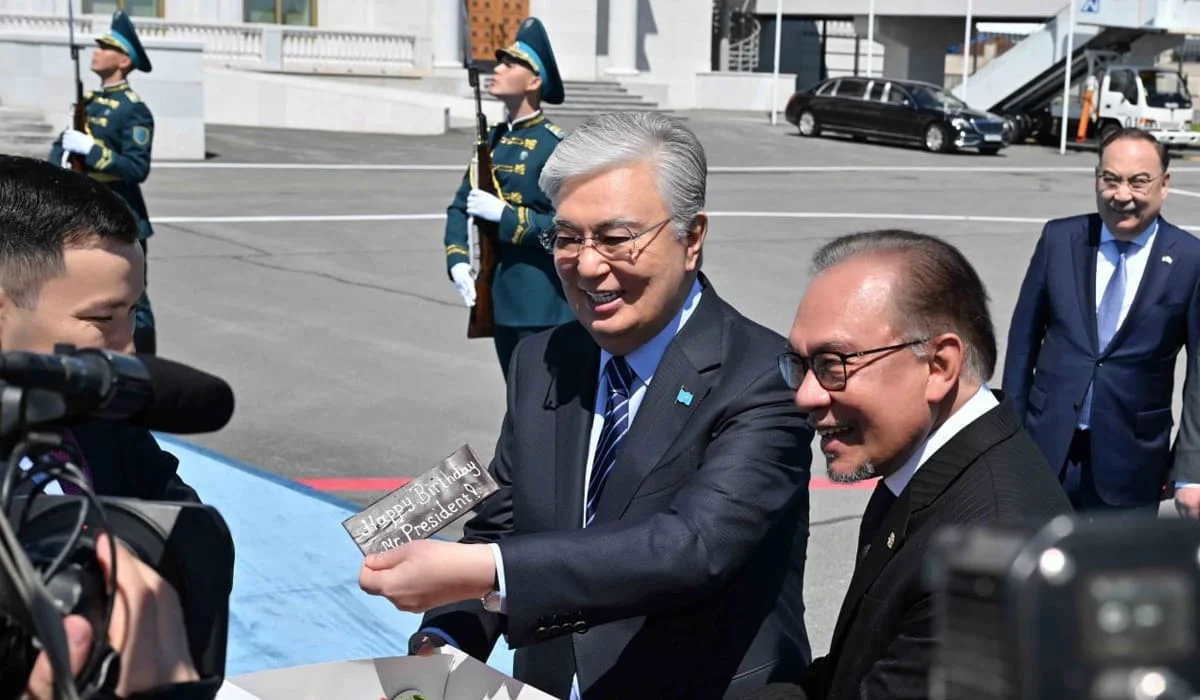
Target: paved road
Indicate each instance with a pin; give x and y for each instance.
(346, 343)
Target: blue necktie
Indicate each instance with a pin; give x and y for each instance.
(1107, 316)
(1109, 312)
(616, 424)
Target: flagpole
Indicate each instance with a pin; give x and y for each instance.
(775, 77)
(870, 36)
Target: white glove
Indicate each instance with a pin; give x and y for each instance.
(484, 205)
(77, 142)
(464, 281)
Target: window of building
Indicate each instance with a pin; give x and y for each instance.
(293, 12)
(133, 8)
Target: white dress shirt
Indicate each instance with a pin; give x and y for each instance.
(979, 404)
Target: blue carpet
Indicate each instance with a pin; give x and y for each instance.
(296, 599)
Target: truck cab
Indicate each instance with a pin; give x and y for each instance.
(1146, 97)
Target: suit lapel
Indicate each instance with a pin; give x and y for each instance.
(1154, 281)
(1085, 242)
(931, 480)
(662, 415)
(887, 542)
(572, 397)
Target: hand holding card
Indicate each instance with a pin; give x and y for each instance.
(423, 506)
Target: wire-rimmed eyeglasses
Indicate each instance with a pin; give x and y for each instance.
(613, 242)
(1138, 183)
(828, 367)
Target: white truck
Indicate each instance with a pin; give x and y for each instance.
(1154, 98)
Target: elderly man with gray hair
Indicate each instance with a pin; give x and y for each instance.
(650, 532)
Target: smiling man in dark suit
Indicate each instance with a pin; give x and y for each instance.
(1107, 303)
(650, 533)
(890, 354)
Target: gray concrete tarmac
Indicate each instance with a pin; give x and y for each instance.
(345, 341)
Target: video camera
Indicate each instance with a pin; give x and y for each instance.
(48, 564)
(1101, 610)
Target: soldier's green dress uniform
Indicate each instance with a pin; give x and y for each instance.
(123, 128)
(527, 296)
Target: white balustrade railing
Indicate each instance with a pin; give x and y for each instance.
(320, 46)
(266, 45)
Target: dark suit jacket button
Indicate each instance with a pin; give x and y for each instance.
(581, 627)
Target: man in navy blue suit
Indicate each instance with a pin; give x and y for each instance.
(1108, 301)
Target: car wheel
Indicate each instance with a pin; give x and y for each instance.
(937, 138)
(989, 150)
(808, 124)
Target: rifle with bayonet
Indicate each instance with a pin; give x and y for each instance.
(79, 111)
(481, 323)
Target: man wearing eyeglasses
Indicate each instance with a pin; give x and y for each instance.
(650, 534)
(1108, 301)
(889, 358)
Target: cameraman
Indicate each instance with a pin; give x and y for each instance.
(147, 631)
(71, 271)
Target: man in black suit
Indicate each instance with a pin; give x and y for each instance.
(650, 533)
(71, 271)
(889, 355)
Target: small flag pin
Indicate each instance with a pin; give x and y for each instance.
(1168, 259)
(684, 397)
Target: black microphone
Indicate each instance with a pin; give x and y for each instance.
(143, 389)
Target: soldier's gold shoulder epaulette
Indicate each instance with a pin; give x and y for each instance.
(556, 130)
(89, 95)
(133, 96)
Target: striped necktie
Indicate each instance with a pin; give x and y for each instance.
(616, 424)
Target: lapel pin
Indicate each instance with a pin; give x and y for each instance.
(891, 540)
(684, 397)
(1168, 259)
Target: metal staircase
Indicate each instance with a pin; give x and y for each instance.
(744, 42)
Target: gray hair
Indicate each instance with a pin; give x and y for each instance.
(939, 291)
(610, 140)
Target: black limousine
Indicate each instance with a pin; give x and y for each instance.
(890, 109)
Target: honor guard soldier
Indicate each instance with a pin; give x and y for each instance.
(526, 294)
(117, 140)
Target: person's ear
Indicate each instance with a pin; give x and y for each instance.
(947, 352)
(695, 241)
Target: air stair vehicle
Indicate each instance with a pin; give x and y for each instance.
(1115, 47)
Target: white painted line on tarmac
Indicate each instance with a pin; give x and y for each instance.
(336, 218)
(204, 165)
(715, 169)
(328, 218)
(1185, 193)
(873, 215)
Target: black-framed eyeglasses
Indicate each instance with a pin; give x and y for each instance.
(613, 242)
(828, 367)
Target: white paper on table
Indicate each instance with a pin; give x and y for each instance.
(448, 674)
